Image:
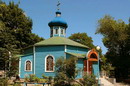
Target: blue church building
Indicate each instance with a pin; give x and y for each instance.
(41, 57)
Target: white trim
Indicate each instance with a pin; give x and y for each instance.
(53, 62)
(25, 65)
(64, 32)
(34, 58)
(65, 48)
(19, 65)
(65, 51)
(59, 31)
(88, 53)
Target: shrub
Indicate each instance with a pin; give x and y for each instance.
(26, 79)
(4, 82)
(32, 77)
(50, 78)
(17, 84)
(65, 71)
(44, 77)
(36, 79)
(89, 80)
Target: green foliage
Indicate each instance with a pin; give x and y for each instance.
(116, 37)
(18, 24)
(89, 80)
(50, 78)
(17, 84)
(44, 77)
(31, 78)
(26, 78)
(15, 34)
(36, 79)
(65, 71)
(105, 65)
(82, 38)
(4, 82)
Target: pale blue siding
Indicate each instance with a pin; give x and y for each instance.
(80, 68)
(22, 69)
(68, 56)
(57, 51)
(74, 49)
(95, 69)
(41, 53)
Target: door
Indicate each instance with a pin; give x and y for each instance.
(85, 65)
(89, 65)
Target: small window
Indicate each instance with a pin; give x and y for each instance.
(62, 31)
(56, 31)
(49, 64)
(28, 65)
(51, 32)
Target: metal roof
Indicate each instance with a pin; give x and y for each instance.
(59, 41)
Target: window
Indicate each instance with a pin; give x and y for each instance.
(49, 64)
(28, 65)
(61, 31)
(51, 32)
(56, 31)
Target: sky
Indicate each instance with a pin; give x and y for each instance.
(80, 15)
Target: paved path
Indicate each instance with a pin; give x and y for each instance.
(106, 82)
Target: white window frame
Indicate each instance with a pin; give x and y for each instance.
(25, 65)
(46, 62)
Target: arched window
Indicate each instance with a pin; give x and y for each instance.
(49, 64)
(28, 65)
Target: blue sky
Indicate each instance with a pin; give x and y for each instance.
(81, 15)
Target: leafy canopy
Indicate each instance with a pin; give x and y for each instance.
(15, 34)
(116, 37)
(82, 38)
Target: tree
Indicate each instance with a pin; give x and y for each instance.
(89, 80)
(82, 38)
(15, 34)
(18, 24)
(116, 39)
(65, 71)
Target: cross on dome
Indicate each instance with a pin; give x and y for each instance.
(58, 5)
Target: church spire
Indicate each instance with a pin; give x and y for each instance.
(58, 26)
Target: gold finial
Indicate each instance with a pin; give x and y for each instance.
(58, 8)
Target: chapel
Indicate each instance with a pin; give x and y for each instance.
(40, 58)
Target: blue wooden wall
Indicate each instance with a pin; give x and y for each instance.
(80, 66)
(22, 69)
(57, 51)
(80, 63)
(74, 49)
(41, 53)
(95, 69)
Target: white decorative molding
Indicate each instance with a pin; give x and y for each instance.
(53, 63)
(25, 65)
